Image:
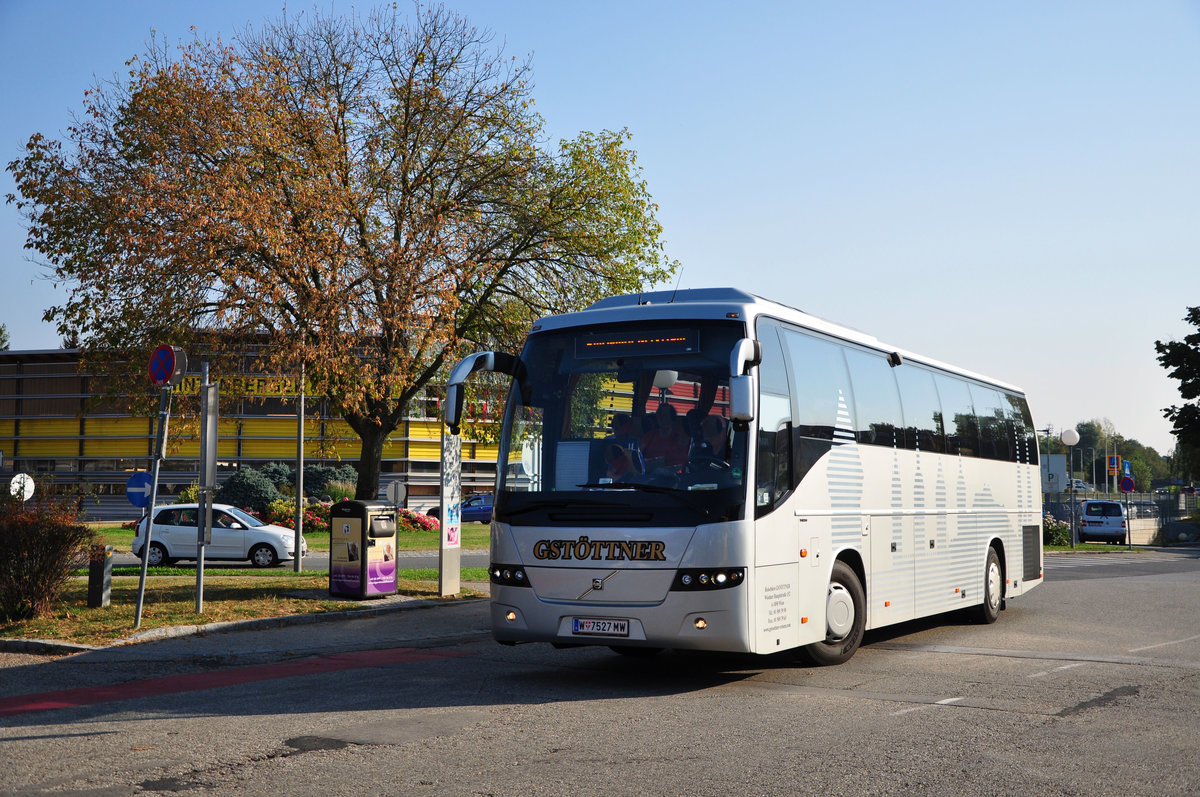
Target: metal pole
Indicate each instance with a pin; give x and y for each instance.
(1074, 530)
(202, 511)
(164, 414)
(1128, 524)
(298, 566)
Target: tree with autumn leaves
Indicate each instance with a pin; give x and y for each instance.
(363, 198)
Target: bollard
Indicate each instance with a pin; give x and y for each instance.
(100, 577)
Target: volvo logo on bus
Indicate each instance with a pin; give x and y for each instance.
(603, 550)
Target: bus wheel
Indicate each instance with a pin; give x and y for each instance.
(845, 618)
(993, 589)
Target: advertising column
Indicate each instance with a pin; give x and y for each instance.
(450, 557)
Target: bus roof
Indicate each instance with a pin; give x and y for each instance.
(720, 303)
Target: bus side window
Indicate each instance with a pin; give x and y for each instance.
(775, 475)
(922, 410)
(821, 385)
(876, 400)
(774, 452)
(958, 416)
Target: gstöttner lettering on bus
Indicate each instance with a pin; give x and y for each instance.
(606, 550)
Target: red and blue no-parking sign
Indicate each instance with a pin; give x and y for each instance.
(167, 365)
(1126, 485)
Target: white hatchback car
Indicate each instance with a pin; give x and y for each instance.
(235, 535)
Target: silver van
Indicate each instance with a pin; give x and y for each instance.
(1103, 521)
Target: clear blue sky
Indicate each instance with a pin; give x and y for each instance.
(1009, 186)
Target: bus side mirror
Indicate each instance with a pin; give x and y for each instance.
(455, 399)
(746, 354)
(480, 361)
(741, 399)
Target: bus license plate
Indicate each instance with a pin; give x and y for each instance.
(600, 626)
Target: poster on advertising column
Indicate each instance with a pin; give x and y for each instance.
(450, 550)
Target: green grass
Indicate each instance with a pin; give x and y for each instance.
(474, 536)
(170, 600)
(229, 594)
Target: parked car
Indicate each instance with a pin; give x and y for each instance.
(1103, 521)
(475, 509)
(235, 535)
(1080, 486)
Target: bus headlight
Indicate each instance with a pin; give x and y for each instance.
(709, 579)
(508, 575)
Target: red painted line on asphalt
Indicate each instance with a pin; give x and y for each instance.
(194, 682)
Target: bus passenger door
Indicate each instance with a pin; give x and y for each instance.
(891, 591)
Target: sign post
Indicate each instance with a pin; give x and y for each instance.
(1127, 488)
(208, 476)
(450, 549)
(167, 365)
(298, 539)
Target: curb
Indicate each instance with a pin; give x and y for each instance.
(397, 604)
(44, 646)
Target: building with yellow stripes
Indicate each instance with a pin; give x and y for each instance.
(53, 424)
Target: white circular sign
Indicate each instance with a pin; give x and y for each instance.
(1069, 436)
(396, 492)
(22, 485)
(527, 455)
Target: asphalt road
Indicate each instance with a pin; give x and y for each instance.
(1088, 685)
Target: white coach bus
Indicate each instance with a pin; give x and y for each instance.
(709, 470)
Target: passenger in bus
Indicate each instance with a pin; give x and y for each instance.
(666, 441)
(622, 430)
(714, 432)
(620, 462)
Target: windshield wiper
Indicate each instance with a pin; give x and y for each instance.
(645, 488)
(533, 507)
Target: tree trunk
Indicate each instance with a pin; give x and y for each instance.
(370, 459)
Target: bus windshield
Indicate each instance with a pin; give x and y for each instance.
(623, 423)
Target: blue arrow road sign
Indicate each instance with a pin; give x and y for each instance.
(138, 489)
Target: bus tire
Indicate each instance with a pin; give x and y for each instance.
(993, 589)
(845, 618)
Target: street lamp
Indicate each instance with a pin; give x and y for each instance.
(1070, 437)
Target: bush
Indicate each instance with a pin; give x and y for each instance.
(283, 513)
(1055, 531)
(415, 521)
(248, 489)
(40, 546)
(318, 477)
(189, 494)
(340, 491)
(279, 474)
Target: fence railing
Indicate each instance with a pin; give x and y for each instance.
(1149, 513)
